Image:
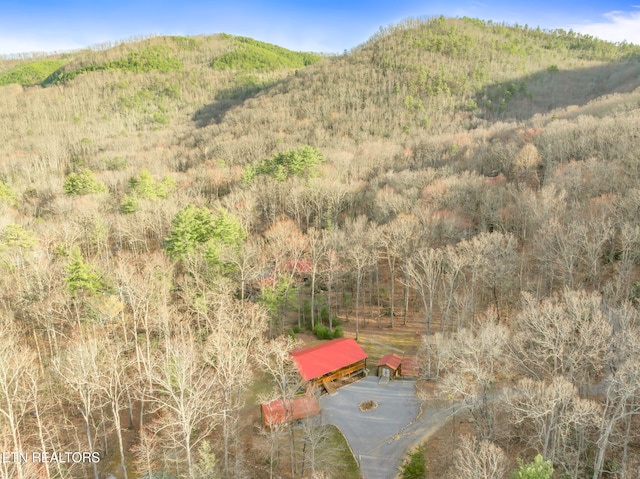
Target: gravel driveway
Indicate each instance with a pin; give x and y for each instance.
(380, 438)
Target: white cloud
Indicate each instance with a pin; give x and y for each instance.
(617, 27)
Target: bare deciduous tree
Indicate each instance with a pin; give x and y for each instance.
(476, 359)
(554, 419)
(318, 244)
(318, 455)
(566, 336)
(235, 329)
(592, 235)
(560, 250)
(17, 365)
(275, 360)
(424, 270)
(187, 395)
(454, 263)
(621, 405)
(286, 246)
(434, 355)
(359, 253)
(395, 238)
(113, 380)
(479, 459)
(78, 368)
(331, 272)
(247, 262)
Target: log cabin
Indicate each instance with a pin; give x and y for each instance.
(322, 364)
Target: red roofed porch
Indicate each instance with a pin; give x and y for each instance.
(331, 360)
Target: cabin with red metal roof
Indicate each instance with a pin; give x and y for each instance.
(326, 362)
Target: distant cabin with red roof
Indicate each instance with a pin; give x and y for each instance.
(326, 362)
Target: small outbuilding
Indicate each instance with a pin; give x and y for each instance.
(286, 411)
(389, 366)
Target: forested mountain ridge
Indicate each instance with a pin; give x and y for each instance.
(162, 200)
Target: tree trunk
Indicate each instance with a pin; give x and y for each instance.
(292, 451)
(187, 444)
(118, 427)
(378, 293)
(603, 440)
(358, 281)
(406, 299)
(392, 270)
(225, 436)
(41, 435)
(90, 439)
(370, 296)
(625, 447)
(313, 296)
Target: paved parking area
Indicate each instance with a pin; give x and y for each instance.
(379, 438)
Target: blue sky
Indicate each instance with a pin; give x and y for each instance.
(311, 25)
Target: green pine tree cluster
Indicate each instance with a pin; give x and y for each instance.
(145, 187)
(83, 183)
(303, 162)
(538, 469)
(82, 277)
(194, 227)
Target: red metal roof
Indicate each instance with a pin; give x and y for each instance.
(327, 357)
(390, 360)
(409, 368)
(274, 413)
(301, 266)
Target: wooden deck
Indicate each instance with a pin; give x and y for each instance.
(329, 386)
(342, 372)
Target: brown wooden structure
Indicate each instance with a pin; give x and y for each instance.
(322, 364)
(389, 366)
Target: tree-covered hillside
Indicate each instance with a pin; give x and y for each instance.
(175, 213)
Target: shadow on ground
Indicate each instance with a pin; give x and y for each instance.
(541, 92)
(229, 98)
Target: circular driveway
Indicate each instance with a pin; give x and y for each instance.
(379, 438)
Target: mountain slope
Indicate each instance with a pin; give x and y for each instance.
(439, 76)
(411, 86)
(158, 199)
